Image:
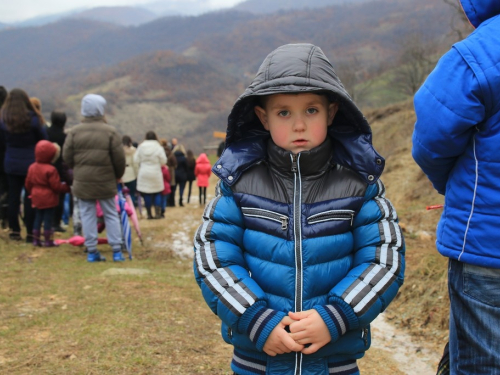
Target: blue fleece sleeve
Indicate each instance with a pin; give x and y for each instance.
(222, 274)
(378, 268)
(448, 106)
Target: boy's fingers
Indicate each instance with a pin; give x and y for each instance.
(291, 345)
(311, 349)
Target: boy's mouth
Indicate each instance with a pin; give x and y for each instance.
(299, 142)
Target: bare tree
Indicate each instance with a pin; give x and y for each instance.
(415, 63)
(459, 23)
(355, 78)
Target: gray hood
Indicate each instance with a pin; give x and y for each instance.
(93, 105)
(478, 11)
(294, 68)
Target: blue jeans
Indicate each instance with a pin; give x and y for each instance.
(164, 200)
(474, 319)
(44, 216)
(152, 199)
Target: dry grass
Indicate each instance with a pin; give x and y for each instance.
(62, 315)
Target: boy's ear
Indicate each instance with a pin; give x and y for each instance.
(332, 111)
(262, 115)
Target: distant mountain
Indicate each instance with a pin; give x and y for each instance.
(44, 20)
(266, 6)
(184, 7)
(81, 45)
(124, 16)
(3, 25)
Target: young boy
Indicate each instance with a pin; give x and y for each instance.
(300, 250)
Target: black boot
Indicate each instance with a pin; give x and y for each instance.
(148, 210)
(180, 202)
(157, 212)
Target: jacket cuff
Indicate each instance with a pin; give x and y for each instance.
(338, 320)
(258, 322)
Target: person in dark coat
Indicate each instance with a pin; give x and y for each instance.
(57, 135)
(191, 165)
(94, 150)
(44, 187)
(20, 130)
(181, 172)
(3, 178)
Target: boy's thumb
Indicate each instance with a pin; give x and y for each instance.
(295, 315)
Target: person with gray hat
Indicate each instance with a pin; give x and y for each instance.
(94, 150)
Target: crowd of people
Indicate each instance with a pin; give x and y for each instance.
(44, 162)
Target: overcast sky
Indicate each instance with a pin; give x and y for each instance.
(19, 10)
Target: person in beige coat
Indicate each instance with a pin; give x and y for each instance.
(94, 150)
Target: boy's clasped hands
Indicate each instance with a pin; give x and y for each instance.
(307, 333)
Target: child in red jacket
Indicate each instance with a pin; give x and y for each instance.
(44, 186)
(202, 172)
(167, 190)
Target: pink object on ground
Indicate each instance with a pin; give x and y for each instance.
(78, 241)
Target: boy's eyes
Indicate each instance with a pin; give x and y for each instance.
(309, 111)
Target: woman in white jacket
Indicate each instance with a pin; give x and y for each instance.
(150, 156)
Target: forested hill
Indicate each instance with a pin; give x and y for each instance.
(181, 75)
(372, 30)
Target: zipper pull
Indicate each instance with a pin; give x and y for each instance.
(294, 163)
(352, 219)
(284, 222)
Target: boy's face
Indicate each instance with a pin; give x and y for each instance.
(297, 122)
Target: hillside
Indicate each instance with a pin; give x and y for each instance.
(172, 94)
(211, 58)
(370, 31)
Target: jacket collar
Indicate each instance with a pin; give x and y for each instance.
(351, 150)
(312, 163)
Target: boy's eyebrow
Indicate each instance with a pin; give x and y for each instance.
(310, 102)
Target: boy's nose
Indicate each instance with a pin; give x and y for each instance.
(299, 124)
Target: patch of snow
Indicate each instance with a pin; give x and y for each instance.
(182, 245)
(413, 358)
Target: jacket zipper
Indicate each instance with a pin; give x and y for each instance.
(266, 214)
(332, 215)
(297, 197)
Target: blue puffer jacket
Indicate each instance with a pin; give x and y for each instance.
(297, 232)
(457, 136)
(20, 147)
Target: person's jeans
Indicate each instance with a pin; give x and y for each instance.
(44, 216)
(474, 319)
(111, 219)
(182, 185)
(164, 200)
(132, 187)
(152, 199)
